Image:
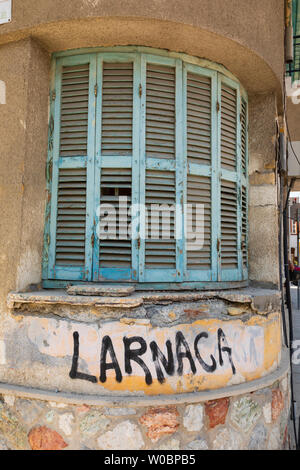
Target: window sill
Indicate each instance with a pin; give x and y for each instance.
(90, 308)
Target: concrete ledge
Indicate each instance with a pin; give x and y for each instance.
(61, 298)
(134, 401)
(261, 300)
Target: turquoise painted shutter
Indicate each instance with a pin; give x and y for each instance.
(231, 190)
(116, 174)
(70, 253)
(151, 130)
(244, 180)
(161, 167)
(200, 152)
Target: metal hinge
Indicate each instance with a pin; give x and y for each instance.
(53, 95)
(140, 90)
(93, 240)
(48, 239)
(218, 244)
(218, 106)
(96, 90)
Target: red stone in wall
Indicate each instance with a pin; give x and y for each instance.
(160, 421)
(43, 438)
(277, 403)
(216, 410)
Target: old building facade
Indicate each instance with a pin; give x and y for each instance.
(140, 342)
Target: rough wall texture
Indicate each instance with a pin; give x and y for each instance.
(247, 37)
(23, 150)
(263, 213)
(256, 421)
(293, 117)
(216, 30)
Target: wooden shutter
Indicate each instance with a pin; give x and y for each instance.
(228, 128)
(244, 133)
(199, 122)
(116, 183)
(244, 175)
(199, 192)
(244, 227)
(116, 161)
(71, 218)
(229, 232)
(72, 155)
(231, 190)
(117, 107)
(158, 255)
(153, 130)
(160, 189)
(160, 111)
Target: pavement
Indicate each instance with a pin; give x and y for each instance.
(296, 349)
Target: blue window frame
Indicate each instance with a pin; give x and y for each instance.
(154, 128)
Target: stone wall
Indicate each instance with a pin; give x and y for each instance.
(254, 421)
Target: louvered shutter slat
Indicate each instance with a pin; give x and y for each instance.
(71, 217)
(117, 108)
(244, 136)
(198, 119)
(198, 192)
(244, 227)
(74, 110)
(160, 189)
(115, 252)
(160, 111)
(228, 127)
(229, 252)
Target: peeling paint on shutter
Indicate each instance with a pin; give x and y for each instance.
(160, 189)
(115, 252)
(160, 111)
(244, 136)
(229, 253)
(117, 108)
(244, 227)
(228, 127)
(198, 187)
(198, 119)
(71, 217)
(74, 110)
(159, 130)
(198, 192)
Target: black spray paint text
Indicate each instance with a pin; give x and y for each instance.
(164, 364)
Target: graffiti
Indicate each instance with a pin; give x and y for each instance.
(132, 355)
(135, 347)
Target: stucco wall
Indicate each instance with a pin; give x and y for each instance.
(263, 204)
(23, 149)
(293, 118)
(247, 37)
